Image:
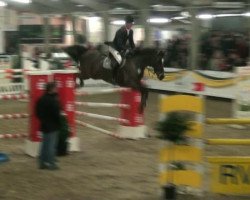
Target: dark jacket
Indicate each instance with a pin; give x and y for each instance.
(48, 112)
(121, 38)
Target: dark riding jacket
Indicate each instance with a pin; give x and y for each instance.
(121, 38)
(48, 112)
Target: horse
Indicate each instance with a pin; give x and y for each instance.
(91, 61)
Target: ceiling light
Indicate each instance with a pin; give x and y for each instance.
(205, 16)
(118, 22)
(158, 20)
(2, 4)
(228, 15)
(178, 17)
(23, 1)
(247, 14)
(79, 5)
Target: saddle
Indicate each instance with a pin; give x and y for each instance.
(115, 65)
(115, 54)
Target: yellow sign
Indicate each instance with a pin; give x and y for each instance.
(230, 175)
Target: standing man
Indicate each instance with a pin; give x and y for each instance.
(124, 40)
(48, 112)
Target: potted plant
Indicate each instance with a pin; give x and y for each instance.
(172, 129)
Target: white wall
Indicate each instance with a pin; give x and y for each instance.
(95, 30)
(8, 21)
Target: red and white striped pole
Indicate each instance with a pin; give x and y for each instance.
(65, 80)
(37, 81)
(135, 127)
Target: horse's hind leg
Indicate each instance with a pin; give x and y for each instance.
(81, 82)
(144, 97)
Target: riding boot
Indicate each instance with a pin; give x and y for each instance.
(114, 75)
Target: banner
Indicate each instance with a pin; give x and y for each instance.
(243, 93)
(214, 83)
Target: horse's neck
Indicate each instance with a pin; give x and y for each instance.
(142, 62)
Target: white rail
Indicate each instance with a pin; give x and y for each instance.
(13, 96)
(105, 91)
(18, 135)
(105, 105)
(96, 128)
(14, 116)
(92, 115)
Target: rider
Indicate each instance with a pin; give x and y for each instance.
(124, 36)
(124, 41)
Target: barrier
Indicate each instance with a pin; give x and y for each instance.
(16, 135)
(96, 116)
(229, 174)
(190, 156)
(228, 141)
(105, 105)
(104, 91)
(13, 96)
(131, 121)
(13, 115)
(13, 88)
(96, 128)
(227, 121)
(10, 74)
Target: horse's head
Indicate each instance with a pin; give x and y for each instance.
(75, 51)
(158, 64)
(151, 57)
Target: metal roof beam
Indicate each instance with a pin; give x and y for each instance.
(93, 4)
(137, 4)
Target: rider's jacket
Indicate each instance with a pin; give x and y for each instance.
(123, 39)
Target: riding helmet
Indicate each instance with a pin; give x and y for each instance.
(129, 19)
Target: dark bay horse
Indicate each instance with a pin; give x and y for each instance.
(129, 75)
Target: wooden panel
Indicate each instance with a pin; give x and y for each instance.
(181, 103)
(181, 153)
(182, 177)
(230, 175)
(196, 131)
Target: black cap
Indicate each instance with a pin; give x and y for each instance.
(50, 86)
(129, 19)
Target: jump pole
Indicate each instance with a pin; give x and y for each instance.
(65, 80)
(134, 128)
(228, 121)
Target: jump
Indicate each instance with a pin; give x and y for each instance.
(92, 64)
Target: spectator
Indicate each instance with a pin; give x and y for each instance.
(48, 112)
(218, 51)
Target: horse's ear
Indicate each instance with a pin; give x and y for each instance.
(160, 53)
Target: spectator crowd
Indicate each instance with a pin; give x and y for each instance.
(220, 51)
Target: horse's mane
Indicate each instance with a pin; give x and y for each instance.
(75, 51)
(145, 51)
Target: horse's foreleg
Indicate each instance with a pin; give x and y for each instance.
(144, 97)
(81, 82)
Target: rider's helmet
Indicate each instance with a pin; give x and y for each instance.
(129, 19)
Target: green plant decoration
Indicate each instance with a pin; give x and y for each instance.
(173, 127)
